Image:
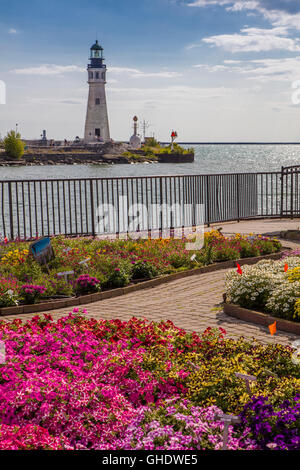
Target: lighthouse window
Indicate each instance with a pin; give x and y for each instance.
(97, 132)
(103, 75)
(91, 74)
(97, 74)
(97, 101)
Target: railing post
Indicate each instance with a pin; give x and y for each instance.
(238, 197)
(10, 210)
(208, 200)
(92, 208)
(161, 207)
(281, 194)
(292, 194)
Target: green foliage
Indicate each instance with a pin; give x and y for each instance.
(57, 286)
(178, 260)
(119, 277)
(248, 250)
(144, 270)
(8, 299)
(152, 142)
(224, 254)
(13, 145)
(176, 149)
(29, 271)
(296, 316)
(140, 158)
(205, 256)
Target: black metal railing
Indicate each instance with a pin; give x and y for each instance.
(290, 191)
(32, 208)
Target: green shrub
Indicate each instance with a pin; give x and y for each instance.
(248, 249)
(152, 142)
(178, 260)
(205, 256)
(13, 145)
(119, 277)
(144, 270)
(27, 272)
(56, 286)
(267, 247)
(225, 253)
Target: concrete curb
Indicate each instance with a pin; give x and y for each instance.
(264, 319)
(86, 299)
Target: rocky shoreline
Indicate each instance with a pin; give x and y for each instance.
(68, 159)
(92, 159)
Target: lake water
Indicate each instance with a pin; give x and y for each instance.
(209, 159)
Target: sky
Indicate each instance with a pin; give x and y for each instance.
(213, 70)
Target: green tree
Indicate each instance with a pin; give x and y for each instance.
(152, 142)
(13, 145)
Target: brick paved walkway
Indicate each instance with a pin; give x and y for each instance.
(192, 303)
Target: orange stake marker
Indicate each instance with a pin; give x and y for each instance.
(286, 267)
(273, 328)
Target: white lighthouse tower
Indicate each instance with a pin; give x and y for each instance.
(96, 123)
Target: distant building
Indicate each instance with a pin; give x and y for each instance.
(96, 124)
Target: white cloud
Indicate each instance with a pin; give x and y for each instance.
(234, 5)
(212, 68)
(278, 13)
(282, 70)
(205, 3)
(261, 70)
(53, 69)
(48, 69)
(171, 95)
(255, 40)
(123, 70)
(244, 5)
(55, 101)
(13, 31)
(135, 73)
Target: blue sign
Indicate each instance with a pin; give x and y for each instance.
(42, 250)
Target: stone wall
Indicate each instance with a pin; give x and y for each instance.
(175, 158)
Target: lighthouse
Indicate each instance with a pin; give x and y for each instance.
(96, 123)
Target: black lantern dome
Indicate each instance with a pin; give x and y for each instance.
(96, 46)
(96, 55)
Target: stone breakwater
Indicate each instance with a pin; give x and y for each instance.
(109, 153)
(67, 159)
(101, 153)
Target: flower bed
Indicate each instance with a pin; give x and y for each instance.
(100, 265)
(269, 286)
(78, 383)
